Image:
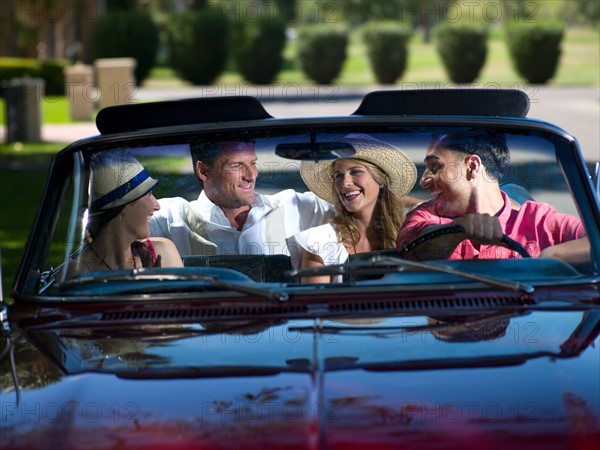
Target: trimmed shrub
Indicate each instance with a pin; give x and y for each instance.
(535, 49)
(18, 67)
(51, 71)
(322, 51)
(130, 34)
(257, 48)
(198, 45)
(462, 48)
(387, 49)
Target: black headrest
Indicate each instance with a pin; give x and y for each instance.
(140, 116)
(445, 102)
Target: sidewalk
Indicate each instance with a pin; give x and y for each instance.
(576, 110)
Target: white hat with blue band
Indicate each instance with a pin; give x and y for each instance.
(117, 178)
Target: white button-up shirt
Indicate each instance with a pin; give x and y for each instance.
(200, 227)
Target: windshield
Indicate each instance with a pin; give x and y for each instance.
(257, 202)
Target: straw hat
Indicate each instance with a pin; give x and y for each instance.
(117, 178)
(402, 173)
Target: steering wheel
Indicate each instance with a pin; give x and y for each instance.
(506, 241)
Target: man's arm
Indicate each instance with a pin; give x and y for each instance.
(313, 211)
(573, 252)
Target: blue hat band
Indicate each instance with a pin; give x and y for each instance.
(120, 191)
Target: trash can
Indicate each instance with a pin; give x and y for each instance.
(23, 99)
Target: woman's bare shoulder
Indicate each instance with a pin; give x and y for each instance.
(160, 242)
(168, 251)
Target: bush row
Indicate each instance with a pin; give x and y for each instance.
(534, 48)
(200, 44)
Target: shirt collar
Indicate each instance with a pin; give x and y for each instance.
(260, 207)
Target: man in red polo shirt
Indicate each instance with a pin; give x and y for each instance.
(462, 172)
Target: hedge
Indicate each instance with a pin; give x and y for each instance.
(131, 34)
(462, 48)
(535, 49)
(257, 48)
(387, 49)
(322, 51)
(51, 71)
(198, 45)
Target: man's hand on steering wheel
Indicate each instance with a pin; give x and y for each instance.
(478, 228)
(481, 228)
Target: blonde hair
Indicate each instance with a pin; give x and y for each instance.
(388, 214)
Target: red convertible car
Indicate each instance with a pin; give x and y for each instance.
(235, 350)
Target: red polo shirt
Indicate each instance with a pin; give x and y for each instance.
(535, 225)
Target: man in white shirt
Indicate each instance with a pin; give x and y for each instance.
(229, 217)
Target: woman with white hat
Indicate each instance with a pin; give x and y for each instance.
(117, 228)
(367, 190)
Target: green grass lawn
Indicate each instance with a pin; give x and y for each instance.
(53, 110)
(22, 181)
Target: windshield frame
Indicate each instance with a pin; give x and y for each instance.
(568, 156)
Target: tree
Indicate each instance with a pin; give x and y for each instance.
(422, 14)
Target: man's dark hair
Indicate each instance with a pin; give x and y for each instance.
(488, 144)
(208, 152)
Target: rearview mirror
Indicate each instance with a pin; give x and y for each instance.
(315, 151)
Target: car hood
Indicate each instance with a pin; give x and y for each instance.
(346, 382)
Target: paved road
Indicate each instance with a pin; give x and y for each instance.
(576, 110)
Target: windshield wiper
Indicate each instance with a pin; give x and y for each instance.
(380, 265)
(174, 275)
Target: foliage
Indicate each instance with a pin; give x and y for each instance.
(288, 9)
(523, 10)
(128, 34)
(257, 48)
(586, 11)
(121, 5)
(51, 71)
(589, 9)
(422, 14)
(18, 67)
(251, 10)
(387, 49)
(198, 45)
(322, 51)
(361, 11)
(535, 49)
(462, 48)
(17, 213)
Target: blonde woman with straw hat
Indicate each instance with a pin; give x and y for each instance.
(117, 228)
(368, 191)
